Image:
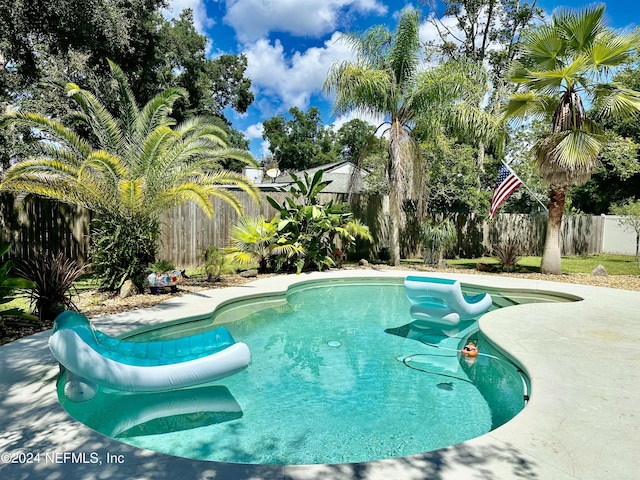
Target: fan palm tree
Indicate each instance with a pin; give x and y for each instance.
(130, 168)
(565, 65)
(385, 80)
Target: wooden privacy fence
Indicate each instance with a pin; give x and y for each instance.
(38, 223)
(187, 231)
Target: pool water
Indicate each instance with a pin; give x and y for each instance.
(339, 373)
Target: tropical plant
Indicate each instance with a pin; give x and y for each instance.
(564, 61)
(508, 253)
(52, 276)
(307, 230)
(385, 80)
(9, 286)
(214, 261)
(253, 241)
(437, 237)
(350, 232)
(132, 168)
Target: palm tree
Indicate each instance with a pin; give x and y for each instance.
(128, 169)
(565, 65)
(254, 239)
(385, 80)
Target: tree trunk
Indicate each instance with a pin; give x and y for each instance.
(551, 256)
(397, 186)
(480, 158)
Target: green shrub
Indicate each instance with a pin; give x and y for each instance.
(254, 240)
(213, 261)
(437, 237)
(123, 248)
(161, 266)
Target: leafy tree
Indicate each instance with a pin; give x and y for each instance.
(483, 30)
(301, 142)
(454, 181)
(354, 138)
(180, 61)
(134, 168)
(66, 41)
(561, 61)
(615, 179)
(630, 213)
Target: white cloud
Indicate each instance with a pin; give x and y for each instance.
(200, 18)
(291, 81)
(254, 131)
(254, 19)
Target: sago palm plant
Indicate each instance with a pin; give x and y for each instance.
(565, 66)
(130, 168)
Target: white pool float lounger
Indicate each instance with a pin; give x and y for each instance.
(96, 358)
(441, 301)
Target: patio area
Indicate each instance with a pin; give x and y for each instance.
(582, 421)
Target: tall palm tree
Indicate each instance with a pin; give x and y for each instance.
(130, 167)
(380, 82)
(386, 80)
(565, 65)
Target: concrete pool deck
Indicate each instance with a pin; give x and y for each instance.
(582, 421)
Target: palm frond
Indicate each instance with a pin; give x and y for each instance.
(544, 47)
(616, 101)
(361, 88)
(579, 29)
(371, 47)
(128, 106)
(106, 164)
(132, 195)
(610, 50)
(157, 110)
(549, 81)
(52, 127)
(103, 125)
(204, 126)
(568, 156)
(529, 104)
(403, 55)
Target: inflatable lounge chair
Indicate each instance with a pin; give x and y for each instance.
(96, 358)
(441, 301)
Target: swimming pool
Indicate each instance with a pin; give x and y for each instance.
(339, 374)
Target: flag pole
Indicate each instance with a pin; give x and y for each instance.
(527, 187)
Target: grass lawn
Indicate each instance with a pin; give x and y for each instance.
(614, 264)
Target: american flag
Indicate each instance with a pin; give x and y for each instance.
(506, 184)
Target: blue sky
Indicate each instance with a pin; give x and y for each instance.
(290, 44)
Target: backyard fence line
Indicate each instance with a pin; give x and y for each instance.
(30, 223)
(187, 231)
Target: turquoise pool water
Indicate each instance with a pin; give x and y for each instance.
(339, 373)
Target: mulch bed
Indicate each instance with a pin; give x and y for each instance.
(93, 303)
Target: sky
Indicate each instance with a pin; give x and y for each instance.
(291, 44)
